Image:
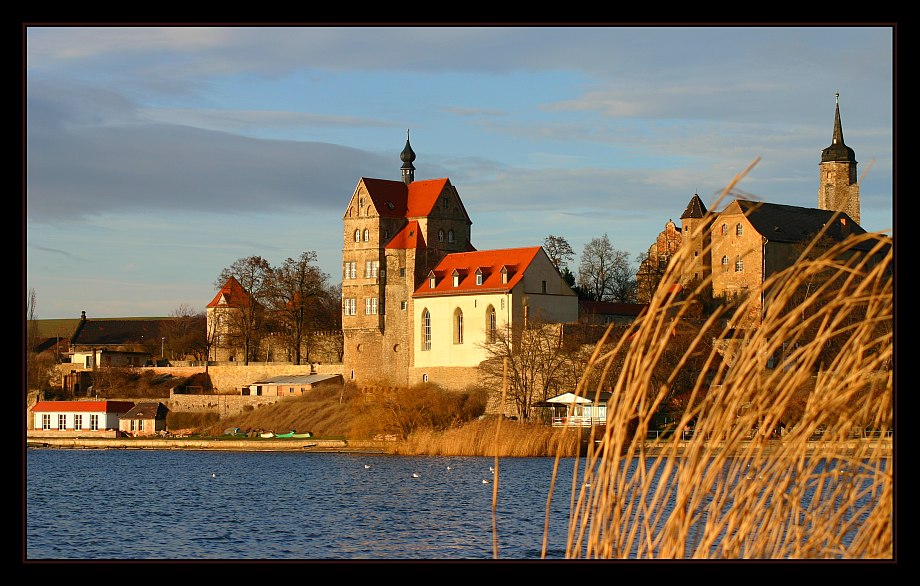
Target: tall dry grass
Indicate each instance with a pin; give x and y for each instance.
(734, 490)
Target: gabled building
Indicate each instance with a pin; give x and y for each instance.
(398, 237)
(144, 419)
(470, 296)
(224, 313)
(71, 418)
(118, 342)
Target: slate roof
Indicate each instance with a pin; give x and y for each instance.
(695, 209)
(100, 332)
(295, 379)
(147, 411)
(785, 223)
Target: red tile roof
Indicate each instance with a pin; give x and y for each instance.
(83, 406)
(409, 237)
(236, 295)
(394, 199)
(489, 262)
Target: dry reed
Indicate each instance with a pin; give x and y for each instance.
(734, 489)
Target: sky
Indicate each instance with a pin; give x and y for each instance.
(158, 156)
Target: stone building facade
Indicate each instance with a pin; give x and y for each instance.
(396, 237)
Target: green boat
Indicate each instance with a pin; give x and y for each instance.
(285, 435)
(304, 435)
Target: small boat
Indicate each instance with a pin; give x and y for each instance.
(266, 434)
(305, 435)
(285, 435)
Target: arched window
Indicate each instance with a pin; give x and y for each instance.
(490, 324)
(440, 235)
(739, 265)
(724, 264)
(367, 235)
(357, 235)
(739, 230)
(458, 326)
(426, 330)
(450, 235)
(724, 229)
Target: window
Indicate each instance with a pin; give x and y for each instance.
(431, 282)
(450, 235)
(133, 424)
(440, 235)
(367, 269)
(544, 286)
(370, 306)
(62, 422)
(140, 425)
(403, 305)
(479, 278)
(360, 202)
(367, 235)
(46, 421)
(490, 325)
(445, 202)
(402, 271)
(386, 234)
(724, 264)
(456, 279)
(94, 422)
(78, 421)
(357, 235)
(739, 230)
(739, 265)
(724, 229)
(425, 378)
(375, 268)
(426, 330)
(349, 306)
(458, 326)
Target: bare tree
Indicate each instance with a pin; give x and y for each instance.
(296, 297)
(559, 251)
(536, 355)
(185, 331)
(253, 273)
(606, 273)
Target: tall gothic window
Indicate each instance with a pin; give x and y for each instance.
(724, 264)
(458, 326)
(440, 235)
(450, 235)
(367, 235)
(426, 330)
(490, 324)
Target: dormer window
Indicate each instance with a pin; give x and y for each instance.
(479, 277)
(432, 282)
(505, 275)
(456, 277)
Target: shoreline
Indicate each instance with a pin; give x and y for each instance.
(651, 448)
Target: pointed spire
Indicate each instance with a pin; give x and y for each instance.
(838, 151)
(407, 156)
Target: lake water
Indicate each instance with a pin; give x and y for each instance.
(155, 504)
(207, 505)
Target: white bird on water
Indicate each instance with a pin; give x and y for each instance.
(492, 470)
(213, 475)
(415, 475)
(366, 466)
(484, 481)
(448, 467)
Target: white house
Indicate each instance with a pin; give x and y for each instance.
(78, 417)
(569, 409)
(469, 296)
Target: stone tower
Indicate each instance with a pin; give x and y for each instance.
(695, 229)
(394, 233)
(838, 189)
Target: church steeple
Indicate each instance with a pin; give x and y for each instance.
(838, 189)
(838, 151)
(407, 156)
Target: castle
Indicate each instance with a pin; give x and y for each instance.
(741, 246)
(419, 302)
